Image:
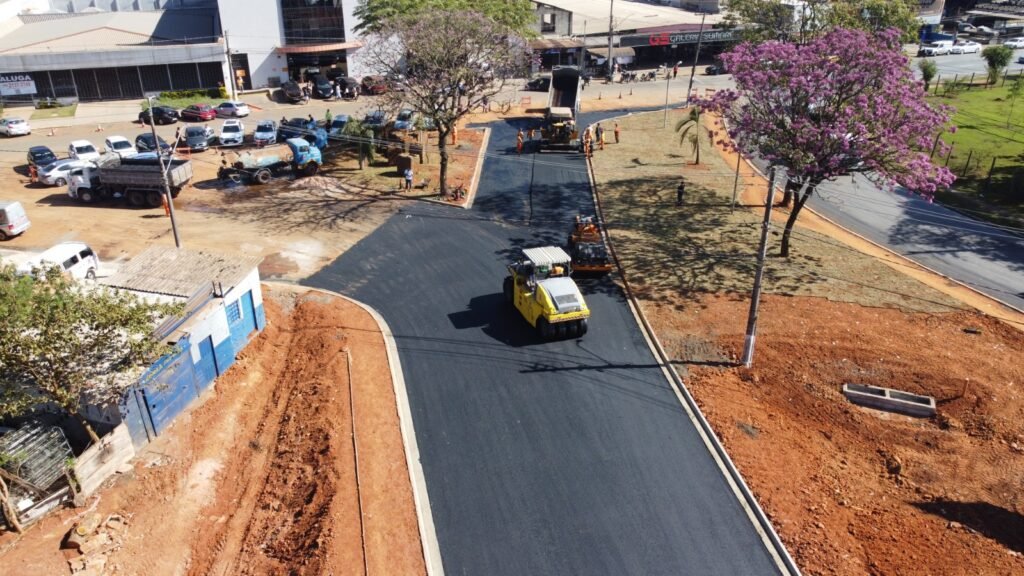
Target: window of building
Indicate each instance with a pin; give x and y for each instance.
(547, 22)
(312, 21)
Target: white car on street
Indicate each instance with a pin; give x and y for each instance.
(14, 127)
(966, 47)
(232, 133)
(83, 150)
(119, 145)
(232, 109)
(1014, 43)
(59, 173)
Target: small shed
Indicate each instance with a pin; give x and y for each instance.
(223, 311)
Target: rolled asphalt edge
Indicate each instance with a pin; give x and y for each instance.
(760, 521)
(421, 500)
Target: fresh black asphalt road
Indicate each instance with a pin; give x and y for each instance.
(571, 457)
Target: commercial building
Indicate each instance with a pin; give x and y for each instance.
(122, 49)
(642, 33)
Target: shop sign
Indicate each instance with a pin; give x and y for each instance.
(672, 38)
(16, 85)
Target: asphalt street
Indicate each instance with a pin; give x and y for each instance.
(570, 457)
(985, 257)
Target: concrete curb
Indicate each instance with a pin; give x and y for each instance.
(896, 254)
(773, 544)
(474, 182)
(428, 535)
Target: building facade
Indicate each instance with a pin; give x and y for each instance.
(76, 50)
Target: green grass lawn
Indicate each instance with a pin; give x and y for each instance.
(989, 138)
(180, 103)
(61, 112)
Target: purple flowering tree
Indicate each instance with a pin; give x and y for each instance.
(845, 102)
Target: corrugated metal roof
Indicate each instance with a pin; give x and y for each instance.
(103, 30)
(181, 272)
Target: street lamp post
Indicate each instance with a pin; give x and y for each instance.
(163, 172)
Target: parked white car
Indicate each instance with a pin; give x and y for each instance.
(937, 48)
(266, 133)
(59, 173)
(232, 133)
(83, 150)
(119, 145)
(1014, 43)
(965, 47)
(232, 109)
(14, 127)
(74, 258)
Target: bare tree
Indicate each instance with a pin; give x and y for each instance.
(452, 61)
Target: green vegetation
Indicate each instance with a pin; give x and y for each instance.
(989, 136)
(183, 98)
(57, 112)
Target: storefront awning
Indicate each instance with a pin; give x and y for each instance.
(315, 48)
(554, 43)
(617, 52)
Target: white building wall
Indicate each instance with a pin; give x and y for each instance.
(254, 28)
(357, 67)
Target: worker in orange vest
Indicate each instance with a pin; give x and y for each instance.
(33, 173)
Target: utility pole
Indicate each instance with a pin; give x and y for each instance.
(611, 30)
(755, 297)
(693, 69)
(163, 172)
(668, 78)
(231, 67)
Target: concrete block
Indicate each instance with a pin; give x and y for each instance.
(890, 400)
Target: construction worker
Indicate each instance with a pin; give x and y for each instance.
(519, 142)
(600, 137)
(529, 133)
(616, 132)
(328, 117)
(680, 192)
(33, 173)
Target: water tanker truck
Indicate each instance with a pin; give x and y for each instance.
(261, 164)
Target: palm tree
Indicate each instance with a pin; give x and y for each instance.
(688, 129)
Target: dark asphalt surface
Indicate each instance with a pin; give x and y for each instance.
(570, 457)
(986, 257)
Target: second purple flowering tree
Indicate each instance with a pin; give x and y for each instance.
(845, 102)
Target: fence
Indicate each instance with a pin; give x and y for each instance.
(997, 172)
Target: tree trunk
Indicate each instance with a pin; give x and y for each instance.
(88, 427)
(793, 214)
(442, 148)
(788, 192)
(8, 510)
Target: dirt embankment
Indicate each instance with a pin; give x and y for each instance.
(262, 478)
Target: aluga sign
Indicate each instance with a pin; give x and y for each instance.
(16, 85)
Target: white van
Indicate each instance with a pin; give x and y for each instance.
(937, 48)
(13, 220)
(75, 259)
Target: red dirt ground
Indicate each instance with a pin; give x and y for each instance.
(853, 490)
(261, 478)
